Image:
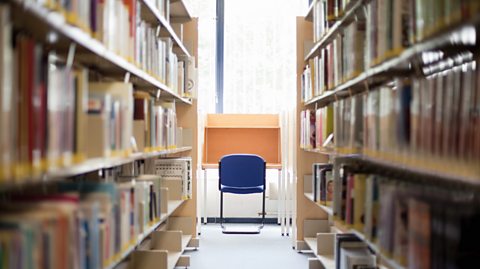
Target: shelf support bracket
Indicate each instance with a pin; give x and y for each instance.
(71, 54)
(126, 78)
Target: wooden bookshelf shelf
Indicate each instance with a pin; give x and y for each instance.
(85, 167)
(172, 206)
(340, 226)
(328, 261)
(384, 260)
(325, 208)
(443, 171)
(179, 11)
(324, 151)
(309, 196)
(384, 71)
(166, 27)
(92, 52)
(242, 127)
(351, 9)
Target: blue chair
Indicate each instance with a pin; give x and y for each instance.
(241, 174)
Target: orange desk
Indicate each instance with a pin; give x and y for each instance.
(240, 133)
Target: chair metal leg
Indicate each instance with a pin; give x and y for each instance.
(224, 229)
(263, 210)
(221, 210)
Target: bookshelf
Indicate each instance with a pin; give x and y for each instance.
(431, 150)
(85, 167)
(75, 106)
(380, 73)
(96, 53)
(168, 31)
(341, 21)
(179, 11)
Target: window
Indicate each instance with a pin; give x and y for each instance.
(259, 53)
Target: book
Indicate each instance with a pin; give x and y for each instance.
(371, 208)
(353, 256)
(321, 182)
(359, 194)
(342, 241)
(6, 95)
(117, 117)
(419, 234)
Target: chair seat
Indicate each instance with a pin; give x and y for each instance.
(241, 190)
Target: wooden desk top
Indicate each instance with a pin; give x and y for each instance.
(277, 166)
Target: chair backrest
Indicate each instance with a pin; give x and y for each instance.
(242, 171)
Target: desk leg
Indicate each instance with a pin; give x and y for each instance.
(288, 199)
(279, 178)
(205, 179)
(283, 203)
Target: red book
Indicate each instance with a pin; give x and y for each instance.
(29, 68)
(40, 104)
(419, 234)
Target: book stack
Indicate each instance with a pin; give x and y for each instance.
(340, 60)
(87, 224)
(389, 24)
(307, 84)
(420, 116)
(110, 116)
(349, 200)
(139, 43)
(353, 46)
(171, 65)
(316, 128)
(418, 226)
(429, 18)
(42, 108)
(322, 183)
(320, 23)
(348, 123)
(163, 7)
(307, 129)
(155, 123)
(351, 252)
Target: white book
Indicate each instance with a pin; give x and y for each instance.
(6, 92)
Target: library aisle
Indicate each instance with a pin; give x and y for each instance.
(265, 250)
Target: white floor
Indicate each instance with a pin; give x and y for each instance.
(265, 250)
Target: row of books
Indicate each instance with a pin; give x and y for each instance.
(433, 115)
(418, 226)
(43, 106)
(86, 224)
(340, 60)
(155, 123)
(322, 183)
(119, 26)
(351, 252)
(316, 128)
(59, 117)
(163, 7)
(377, 34)
(325, 12)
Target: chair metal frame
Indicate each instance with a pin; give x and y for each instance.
(224, 229)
